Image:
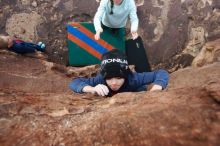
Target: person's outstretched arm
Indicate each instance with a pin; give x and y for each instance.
(158, 78)
(134, 19)
(90, 85)
(98, 18)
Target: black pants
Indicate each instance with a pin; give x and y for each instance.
(114, 30)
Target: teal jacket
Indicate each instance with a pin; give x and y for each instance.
(119, 17)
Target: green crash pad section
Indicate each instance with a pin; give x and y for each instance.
(85, 50)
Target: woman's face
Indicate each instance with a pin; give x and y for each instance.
(117, 2)
(115, 83)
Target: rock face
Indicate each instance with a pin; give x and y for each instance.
(37, 108)
(27, 75)
(210, 53)
(173, 31)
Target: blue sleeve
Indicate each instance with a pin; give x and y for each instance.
(159, 77)
(79, 83)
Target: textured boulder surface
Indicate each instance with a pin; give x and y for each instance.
(37, 108)
(173, 31)
(210, 53)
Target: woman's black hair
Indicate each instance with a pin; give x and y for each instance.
(112, 5)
